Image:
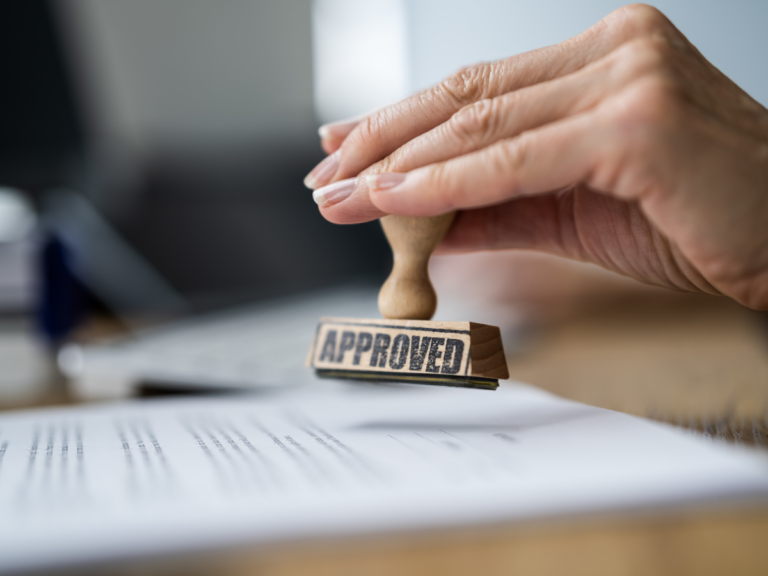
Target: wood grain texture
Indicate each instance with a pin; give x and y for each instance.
(698, 362)
(409, 348)
(488, 351)
(408, 292)
(675, 543)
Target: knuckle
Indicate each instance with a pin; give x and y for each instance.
(467, 85)
(647, 55)
(441, 180)
(652, 106)
(638, 21)
(507, 159)
(364, 133)
(370, 130)
(515, 154)
(475, 122)
(658, 97)
(388, 164)
(643, 18)
(400, 160)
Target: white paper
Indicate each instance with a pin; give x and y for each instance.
(99, 482)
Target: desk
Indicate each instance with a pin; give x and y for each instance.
(696, 361)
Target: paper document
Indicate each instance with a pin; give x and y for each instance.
(99, 482)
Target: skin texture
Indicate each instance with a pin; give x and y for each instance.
(622, 146)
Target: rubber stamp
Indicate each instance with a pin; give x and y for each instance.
(406, 345)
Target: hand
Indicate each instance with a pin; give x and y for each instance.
(622, 146)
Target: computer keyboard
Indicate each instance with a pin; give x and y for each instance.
(257, 347)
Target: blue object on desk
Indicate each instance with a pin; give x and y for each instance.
(62, 303)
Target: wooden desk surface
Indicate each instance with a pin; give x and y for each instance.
(694, 361)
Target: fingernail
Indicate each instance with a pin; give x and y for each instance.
(386, 181)
(334, 193)
(323, 172)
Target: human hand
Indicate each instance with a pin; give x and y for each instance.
(622, 146)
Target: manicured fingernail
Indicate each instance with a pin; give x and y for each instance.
(386, 181)
(323, 172)
(334, 193)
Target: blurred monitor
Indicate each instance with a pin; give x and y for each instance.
(41, 131)
(166, 143)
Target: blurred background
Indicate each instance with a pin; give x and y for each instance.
(152, 151)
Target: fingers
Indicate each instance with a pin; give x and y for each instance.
(581, 225)
(383, 132)
(575, 222)
(489, 121)
(544, 223)
(321, 172)
(346, 202)
(476, 126)
(549, 158)
(332, 135)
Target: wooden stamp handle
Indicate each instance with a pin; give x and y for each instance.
(408, 293)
